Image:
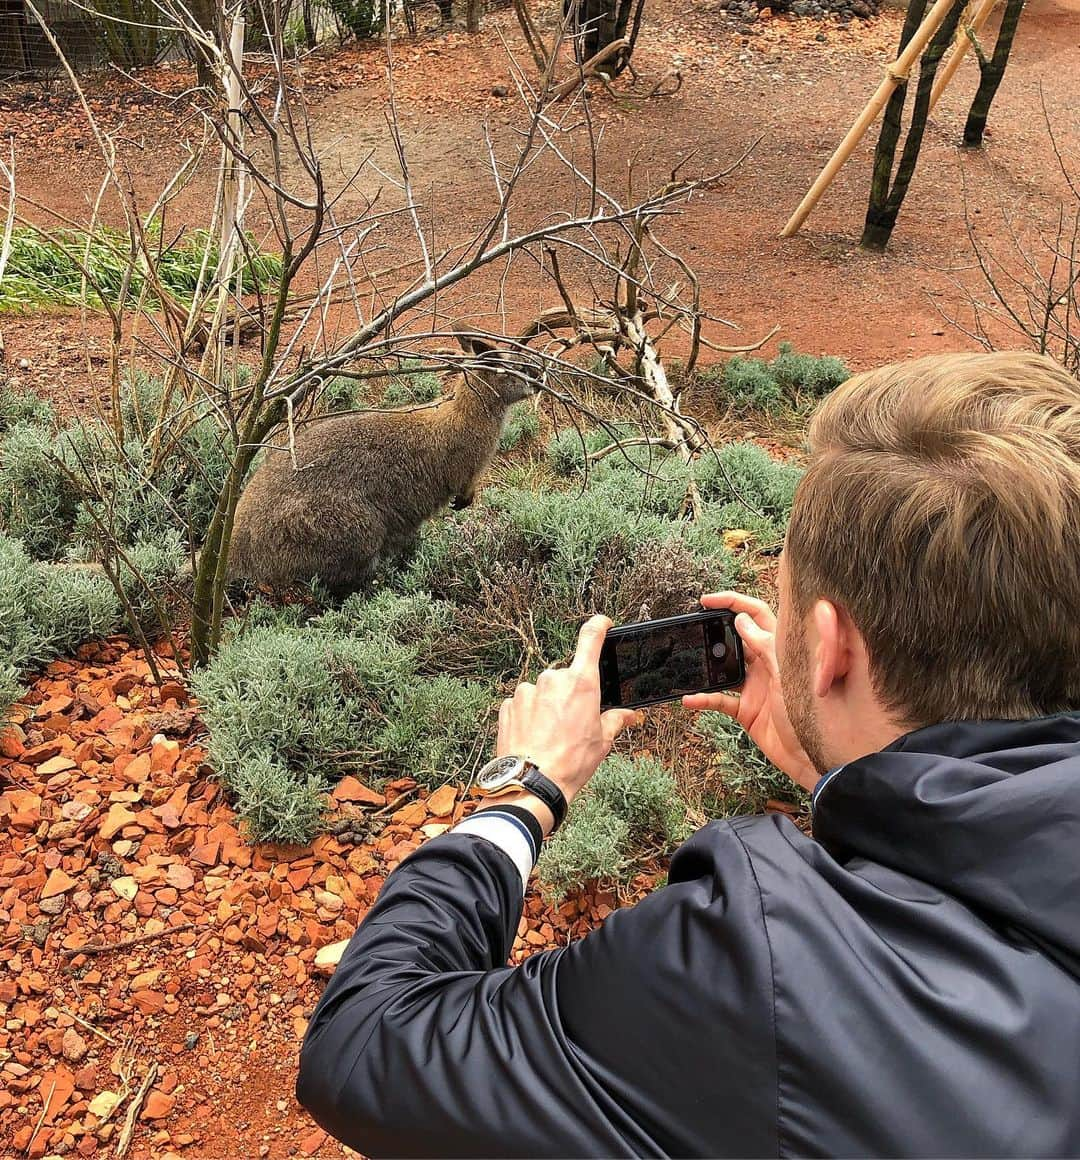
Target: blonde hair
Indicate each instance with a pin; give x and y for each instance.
(941, 510)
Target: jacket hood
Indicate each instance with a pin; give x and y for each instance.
(986, 811)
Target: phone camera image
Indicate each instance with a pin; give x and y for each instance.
(719, 650)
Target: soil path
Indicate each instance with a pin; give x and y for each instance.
(791, 86)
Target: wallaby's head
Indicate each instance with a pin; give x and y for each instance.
(510, 375)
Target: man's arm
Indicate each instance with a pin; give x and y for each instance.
(651, 1036)
(424, 1042)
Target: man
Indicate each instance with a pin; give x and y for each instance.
(907, 981)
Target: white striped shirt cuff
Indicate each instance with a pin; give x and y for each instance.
(510, 834)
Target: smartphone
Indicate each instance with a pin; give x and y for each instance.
(660, 660)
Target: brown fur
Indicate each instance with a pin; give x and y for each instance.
(367, 481)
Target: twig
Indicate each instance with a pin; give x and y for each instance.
(103, 948)
(41, 1118)
(133, 1111)
(89, 1026)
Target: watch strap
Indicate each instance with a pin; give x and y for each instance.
(547, 791)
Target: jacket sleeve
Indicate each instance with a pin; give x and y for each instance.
(425, 1044)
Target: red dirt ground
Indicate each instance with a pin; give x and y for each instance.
(110, 833)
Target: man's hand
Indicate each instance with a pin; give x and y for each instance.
(557, 723)
(759, 706)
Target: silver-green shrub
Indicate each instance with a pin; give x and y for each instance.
(630, 806)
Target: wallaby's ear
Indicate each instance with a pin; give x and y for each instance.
(473, 343)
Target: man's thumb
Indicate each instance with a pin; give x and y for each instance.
(756, 639)
(614, 721)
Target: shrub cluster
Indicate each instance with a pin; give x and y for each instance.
(742, 780)
(49, 270)
(789, 381)
(630, 809)
(66, 492)
(292, 707)
(404, 681)
(45, 612)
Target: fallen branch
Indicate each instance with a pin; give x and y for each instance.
(135, 940)
(133, 1111)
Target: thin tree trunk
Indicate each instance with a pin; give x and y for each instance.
(881, 217)
(885, 153)
(472, 15)
(990, 75)
(206, 14)
(309, 24)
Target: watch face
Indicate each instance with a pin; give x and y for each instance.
(499, 772)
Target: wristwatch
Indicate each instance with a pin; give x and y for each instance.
(507, 773)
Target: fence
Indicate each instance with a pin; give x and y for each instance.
(24, 49)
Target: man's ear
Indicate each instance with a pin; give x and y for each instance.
(831, 646)
(474, 344)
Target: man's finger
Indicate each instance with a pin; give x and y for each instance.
(614, 721)
(586, 660)
(757, 642)
(718, 702)
(740, 602)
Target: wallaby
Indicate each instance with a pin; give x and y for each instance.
(364, 482)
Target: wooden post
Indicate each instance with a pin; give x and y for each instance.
(232, 192)
(963, 43)
(896, 76)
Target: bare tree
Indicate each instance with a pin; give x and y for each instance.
(339, 308)
(991, 73)
(1032, 288)
(887, 192)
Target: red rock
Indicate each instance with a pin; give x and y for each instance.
(74, 1047)
(174, 691)
(350, 789)
(55, 1089)
(138, 769)
(58, 764)
(312, 1142)
(148, 1002)
(442, 801)
(36, 754)
(23, 808)
(180, 877)
(116, 819)
(11, 743)
(86, 1077)
(158, 1105)
(205, 853)
(164, 755)
(411, 815)
(57, 883)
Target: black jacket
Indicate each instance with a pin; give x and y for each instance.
(907, 984)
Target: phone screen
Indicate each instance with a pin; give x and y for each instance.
(660, 661)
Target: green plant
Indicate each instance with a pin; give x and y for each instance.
(630, 806)
(303, 704)
(743, 780)
(46, 611)
(130, 31)
(362, 18)
(43, 271)
(69, 493)
(18, 407)
(411, 387)
(791, 380)
(38, 502)
(11, 689)
(522, 426)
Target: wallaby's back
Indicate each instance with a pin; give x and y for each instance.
(362, 485)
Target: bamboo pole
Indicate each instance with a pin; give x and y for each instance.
(963, 43)
(896, 76)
